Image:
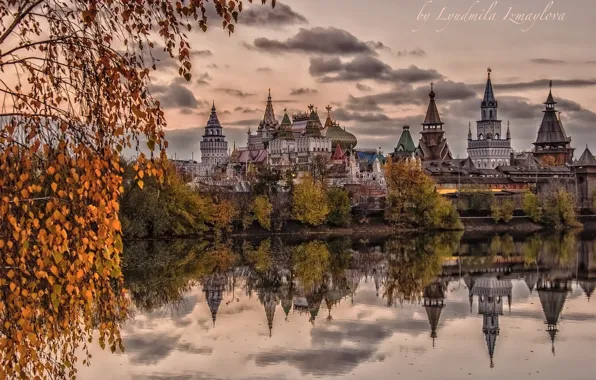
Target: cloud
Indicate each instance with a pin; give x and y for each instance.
(366, 67)
(234, 92)
(318, 40)
(203, 79)
(246, 110)
(303, 91)
(244, 123)
(176, 96)
(418, 52)
(318, 362)
(446, 91)
(539, 84)
(264, 70)
(377, 45)
(341, 114)
(266, 16)
(363, 87)
(212, 66)
(547, 61)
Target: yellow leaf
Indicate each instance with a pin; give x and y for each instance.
(54, 186)
(54, 270)
(12, 286)
(141, 184)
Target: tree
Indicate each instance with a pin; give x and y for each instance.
(339, 206)
(309, 202)
(413, 200)
(262, 209)
(559, 208)
(75, 84)
(311, 262)
(503, 210)
(168, 209)
(532, 207)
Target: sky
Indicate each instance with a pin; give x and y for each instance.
(373, 62)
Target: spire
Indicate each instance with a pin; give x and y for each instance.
(489, 95)
(338, 154)
(269, 121)
(469, 130)
(550, 99)
(329, 121)
(508, 131)
(432, 114)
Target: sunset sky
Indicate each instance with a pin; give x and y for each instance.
(374, 60)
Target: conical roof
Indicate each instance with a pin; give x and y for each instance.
(531, 279)
(489, 95)
(586, 159)
(338, 154)
(213, 122)
(432, 113)
(491, 341)
(313, 125)
(269, 300)
(214, 287)
(552, 302)
(329, 121)
(405, 143)
(269, 121)
(433, 312)
(285, 128)
(551, 130)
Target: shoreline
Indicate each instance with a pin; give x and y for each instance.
(377, 228)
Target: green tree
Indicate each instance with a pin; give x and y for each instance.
(170, 208)
(262, 209)
(309, 202)
(339, 206)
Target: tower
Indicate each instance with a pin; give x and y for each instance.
(552, 146)
(434, 296)
(214, 147)
(269, 125)
(405, 146)
(585, 174)
(489, 150)
(433, 144)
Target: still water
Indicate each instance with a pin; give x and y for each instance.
(415, 307)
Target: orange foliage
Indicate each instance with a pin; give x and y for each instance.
(75, 84)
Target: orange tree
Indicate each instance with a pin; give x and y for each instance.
(74, 88)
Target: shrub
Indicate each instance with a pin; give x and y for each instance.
(262, 209)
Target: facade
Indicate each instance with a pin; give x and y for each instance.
(552, 146)
(311, 143)
(490, 148)
(214, 147)
(433, 144)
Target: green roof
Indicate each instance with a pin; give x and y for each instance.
(405, 143)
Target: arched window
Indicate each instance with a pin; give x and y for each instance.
(491, 114)
(481, 137)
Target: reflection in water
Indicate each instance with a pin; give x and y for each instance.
(368, 294)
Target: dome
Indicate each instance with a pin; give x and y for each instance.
(340, 136)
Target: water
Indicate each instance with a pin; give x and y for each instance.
(415, 307)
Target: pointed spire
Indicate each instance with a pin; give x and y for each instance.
(586, 159)
(269, 121)
(508, 131)
(432, 114)
(489, 95)
(550, 99)
(469, 130)
(329, 121)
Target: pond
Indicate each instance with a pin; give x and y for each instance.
(419, 307)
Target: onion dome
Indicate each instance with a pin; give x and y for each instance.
(337, 134)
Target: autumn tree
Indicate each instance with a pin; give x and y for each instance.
(532, 207)
(75, 81)
(413, 199)
(309, 202)
(262, 209)
(559, 208)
